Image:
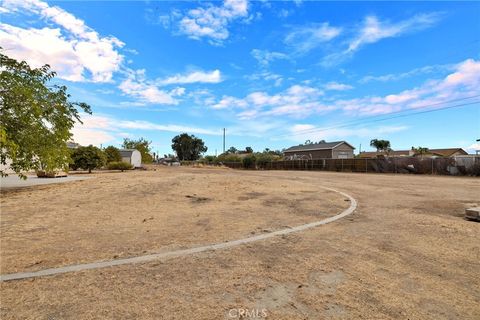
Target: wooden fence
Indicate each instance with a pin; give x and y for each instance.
(442, 166)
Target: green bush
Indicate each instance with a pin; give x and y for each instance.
(229, 158)
(210, 158)
(113, 154)
(119, 165)
(264, 158)
(249, 162)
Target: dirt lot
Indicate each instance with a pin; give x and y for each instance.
(406, 253)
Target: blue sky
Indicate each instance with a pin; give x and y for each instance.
(273, 73)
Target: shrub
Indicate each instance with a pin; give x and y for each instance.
(210, 158)
(249, 162)
(186, 163)
(113, 154)
(264, 158)
(119, 165)
(229, 158)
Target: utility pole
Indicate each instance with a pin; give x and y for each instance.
(224, 140)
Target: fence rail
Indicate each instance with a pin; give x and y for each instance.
(469, 165)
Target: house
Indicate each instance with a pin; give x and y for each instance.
(320, 150)
(431, 153)
(72, 145)
(132, 156)
(450, 152)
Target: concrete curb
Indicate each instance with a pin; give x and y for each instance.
(184, 252)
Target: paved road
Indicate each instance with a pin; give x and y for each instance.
(13, 181)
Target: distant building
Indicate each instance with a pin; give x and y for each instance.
(132, 156)
(431, 153)
(72, 145)
(320, 150)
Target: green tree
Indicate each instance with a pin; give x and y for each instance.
(88, 158)
(141, 145)
(188, 147)
(381, 145)
(112, 154)
(420, 150)
(232, 150)
(248, 150)
(36, 118)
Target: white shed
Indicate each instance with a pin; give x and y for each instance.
(132, 156)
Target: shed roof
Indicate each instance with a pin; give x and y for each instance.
(126, 152)
(317, 146)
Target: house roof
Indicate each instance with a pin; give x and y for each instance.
(447, 152)
(126, 152)
(317, 146)
(72, 145)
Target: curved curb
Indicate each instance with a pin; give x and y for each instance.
(184, 252)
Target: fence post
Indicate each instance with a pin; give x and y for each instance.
(342, 164)
(432, 164)
(366, 165)
(395, 165)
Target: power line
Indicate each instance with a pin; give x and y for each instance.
(224, 140)
(383, 119)
(388, 117)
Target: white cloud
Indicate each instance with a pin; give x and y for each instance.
(194, 77)
(373, 30)
(229, 102)
(138, 86)
(212, 21)
(296, 101)
(462, 83)
(74, 50)
(467, 73)
(87, 137)
(337, 86)
(146, 125)
(300, 101)
(473, 148)
(403, 75)
(103, 129)
(264, 57)
(302, 132)
(266, 76)
(305, 38)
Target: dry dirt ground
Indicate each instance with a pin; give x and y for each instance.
(406, 253)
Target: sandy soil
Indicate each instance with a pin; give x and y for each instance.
(406, 253)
